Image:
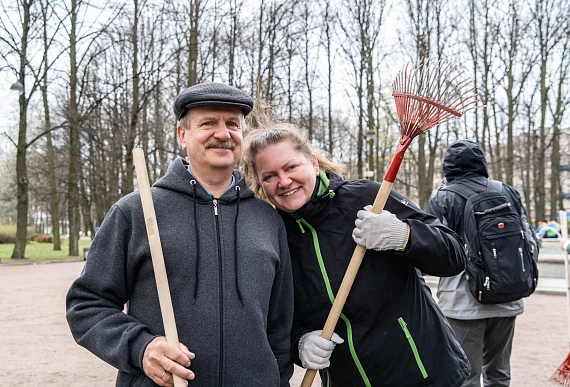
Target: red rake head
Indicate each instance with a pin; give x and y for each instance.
(562, 375)
(431, 93)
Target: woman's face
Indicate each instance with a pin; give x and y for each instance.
(287, 176)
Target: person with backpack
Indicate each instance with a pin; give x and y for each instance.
(481, 303)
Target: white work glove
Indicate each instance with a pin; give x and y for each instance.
(315, 351)
(382, 231)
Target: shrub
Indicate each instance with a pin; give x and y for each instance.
(42, 238)
(8, 233)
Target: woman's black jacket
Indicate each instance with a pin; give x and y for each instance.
(395, 335)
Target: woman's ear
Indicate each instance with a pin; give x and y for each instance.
(315, 163)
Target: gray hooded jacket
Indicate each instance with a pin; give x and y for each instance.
(230, 279)
(464, 163)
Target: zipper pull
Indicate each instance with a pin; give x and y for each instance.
(480, 294)
(522, 234)
(215, 202)
(522, 260)
(300, 225)
(487, 283)
(494, 252)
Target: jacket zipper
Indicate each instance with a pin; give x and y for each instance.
(221, 293)
(331, 298)
(413, 346)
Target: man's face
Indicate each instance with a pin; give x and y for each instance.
(214, 137)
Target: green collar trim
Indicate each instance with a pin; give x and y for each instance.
(324, 183)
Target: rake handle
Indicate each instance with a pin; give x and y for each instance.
(348, 279)
(564, 233)
(157, 257)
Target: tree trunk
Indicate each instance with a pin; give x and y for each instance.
(73, 178)
(54, 203)
(21, 167)
(328, 22)
(128, 184)
(307, 74)
(193, 46)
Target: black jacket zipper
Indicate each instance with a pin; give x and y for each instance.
(221, 293)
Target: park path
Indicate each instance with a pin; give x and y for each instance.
(36, 347)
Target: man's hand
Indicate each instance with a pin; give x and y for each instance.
(382, 231)
(161, 360)
(315, 351)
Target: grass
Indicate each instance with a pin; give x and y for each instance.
(41, 252)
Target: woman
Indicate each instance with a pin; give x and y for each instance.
(394, 333)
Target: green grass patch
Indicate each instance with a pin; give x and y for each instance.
(40, 252)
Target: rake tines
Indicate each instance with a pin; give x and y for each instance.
(430, 93)
(562, 375)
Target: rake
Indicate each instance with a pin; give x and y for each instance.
(562, 375)
(426, 95)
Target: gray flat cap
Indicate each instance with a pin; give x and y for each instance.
(211, 93)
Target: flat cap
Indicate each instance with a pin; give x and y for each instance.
(211, 93)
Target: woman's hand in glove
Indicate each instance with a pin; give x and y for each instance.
(315, 351)
(382, 231)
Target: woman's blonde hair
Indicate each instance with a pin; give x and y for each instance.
(259, 139)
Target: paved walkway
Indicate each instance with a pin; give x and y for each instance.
(37, 349)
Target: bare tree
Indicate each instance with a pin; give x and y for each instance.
(558, 107)
(135, 108)
(361, 31)
(54, 202)
(549, 27)
(328, 21)
(18, 39)
(193, 39)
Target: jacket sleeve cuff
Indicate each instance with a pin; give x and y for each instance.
(138, 346)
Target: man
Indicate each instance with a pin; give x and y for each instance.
(484, 331)
(226, 258)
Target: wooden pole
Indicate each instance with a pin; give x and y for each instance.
(157, 258)
(348, 280)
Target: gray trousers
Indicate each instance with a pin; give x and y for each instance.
(487, 344)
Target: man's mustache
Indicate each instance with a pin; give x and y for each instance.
(220, 144)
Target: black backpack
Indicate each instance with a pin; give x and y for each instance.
(499, 247)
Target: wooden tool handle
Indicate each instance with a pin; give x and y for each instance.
(157, 258)
(564, 233)
(348, 279)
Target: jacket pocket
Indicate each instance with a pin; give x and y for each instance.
(410, 339)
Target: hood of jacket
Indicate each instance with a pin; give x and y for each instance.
(464, 159)
(179, 179)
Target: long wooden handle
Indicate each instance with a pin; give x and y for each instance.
(157, 258)
(348, 279)
(564, 233)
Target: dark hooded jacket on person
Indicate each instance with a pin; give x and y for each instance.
(464, 164)
(394, 333)
(229, 275)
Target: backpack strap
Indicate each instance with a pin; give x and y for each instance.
(460, 190)
(465, 192)
(494, 186)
